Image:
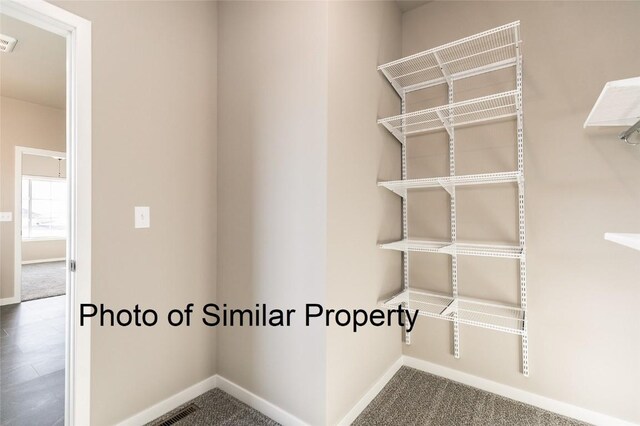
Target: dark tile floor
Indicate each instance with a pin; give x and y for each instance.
(32, 362)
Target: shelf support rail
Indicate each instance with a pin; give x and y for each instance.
(405, 218)
(452, 195)
(521, 212)
(447, 122)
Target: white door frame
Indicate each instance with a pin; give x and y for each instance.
(17, 215)
(77, 32)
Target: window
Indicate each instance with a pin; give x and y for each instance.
(44, 208)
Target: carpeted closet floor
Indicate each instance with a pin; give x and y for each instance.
(40, 280)
(217, 407)
(413, 397)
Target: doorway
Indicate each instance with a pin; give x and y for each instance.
(41, 231)
(33, 126)
(45, 353)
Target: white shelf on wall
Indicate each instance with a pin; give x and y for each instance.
(457, 248)
(478, 54)
(617, 105)
(475, 312)
(628, 240)
(400, 187)
(450, 116)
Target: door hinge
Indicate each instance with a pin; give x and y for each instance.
(72, 265)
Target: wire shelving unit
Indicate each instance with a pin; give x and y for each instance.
(485, 52)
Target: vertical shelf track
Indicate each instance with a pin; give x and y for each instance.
(405, 217)
(521, 214)
(448, 124)
(454, 257)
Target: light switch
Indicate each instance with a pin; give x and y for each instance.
(5, 217)
(142, 217)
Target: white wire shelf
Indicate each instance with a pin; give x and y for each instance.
(447, 117)
(447, 247)
(400, 187)
(479, 313)
(629, 240)
(617, 104)
(477, 54)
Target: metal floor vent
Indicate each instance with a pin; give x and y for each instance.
(180, 415)
(7, 43)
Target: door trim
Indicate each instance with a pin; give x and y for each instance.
(77, 32)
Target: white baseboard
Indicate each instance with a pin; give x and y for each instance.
(530, 398)
(265, 407)
(171, 403)
(30, 262)
(371, 393)
(9, 301)
(287, 419)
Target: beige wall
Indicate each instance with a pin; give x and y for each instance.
(299, 212)
(583, 291)
(28, 125)
(34, 251)
(154, 144)
(359, 214)
(40, 165)
(272, 195)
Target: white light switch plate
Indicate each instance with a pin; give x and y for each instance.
(6, 217)
(142, 217)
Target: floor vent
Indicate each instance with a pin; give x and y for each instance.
(181, 414)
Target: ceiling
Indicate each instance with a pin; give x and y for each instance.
(36, 69)
(410, 4)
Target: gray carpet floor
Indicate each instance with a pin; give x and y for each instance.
(40, 280)
(413, 397)
(217, 407)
